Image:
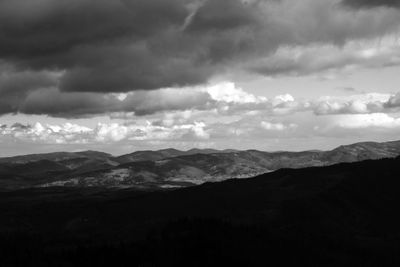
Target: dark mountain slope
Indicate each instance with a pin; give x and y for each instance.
(339, 215)
(14, 175)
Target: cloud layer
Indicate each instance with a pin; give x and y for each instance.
(209, 114)
(223, 99)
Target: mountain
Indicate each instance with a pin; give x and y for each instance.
(340, 215)
(171, 168)
(31, 170)
(165, 153)
(149, 155)
(363, 151)
(56, 156)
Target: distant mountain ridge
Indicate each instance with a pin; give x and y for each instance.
(165, 153)
(55, 156)
(169, 168)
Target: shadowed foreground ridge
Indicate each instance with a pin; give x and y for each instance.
(345, 214)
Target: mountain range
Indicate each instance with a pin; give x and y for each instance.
(170, 168)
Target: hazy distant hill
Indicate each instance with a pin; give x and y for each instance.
(55, 156)
(339, 215)
(165, 153)
(170, 167)
(362, 151)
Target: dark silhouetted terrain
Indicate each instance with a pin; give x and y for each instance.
(339, 215)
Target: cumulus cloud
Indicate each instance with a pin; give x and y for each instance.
(69, 133)
(57, 134)
(355, 104)
(281, 105)
(228, 92)
(276, 126)
(375, 120)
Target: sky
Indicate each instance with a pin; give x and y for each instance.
(126, 75)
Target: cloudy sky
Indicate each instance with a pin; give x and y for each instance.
(126, 75)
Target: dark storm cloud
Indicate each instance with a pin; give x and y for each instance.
(37, 28)
(372, 3)
(119, 45)
(15, 86)
(121, 68)
(18, 83)
(221, 15)
(74, 104)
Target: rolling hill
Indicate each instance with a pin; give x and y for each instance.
(170, 168)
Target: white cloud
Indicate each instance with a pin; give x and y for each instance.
(147, 131)
(281, 99)
(228, 92)
(105, 132)
(356, 104)
(58, 134)
(110, 132)
(69, 128)
(276, 126)
(361, 121)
